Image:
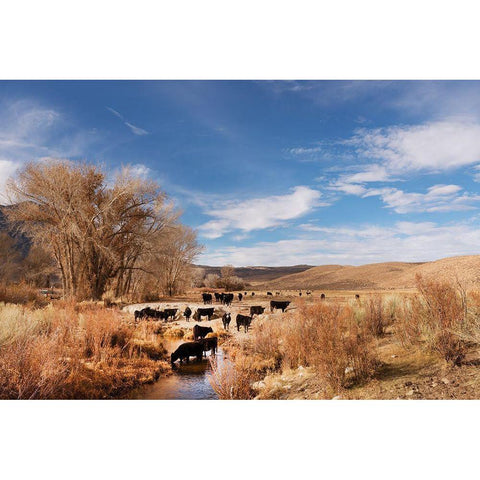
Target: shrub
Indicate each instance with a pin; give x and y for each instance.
(323, 336)
(22, 294)
(232, 380)
(436, 319)
(376, 317)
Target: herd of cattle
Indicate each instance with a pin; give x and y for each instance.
(202, 344)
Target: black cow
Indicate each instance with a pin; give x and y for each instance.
(169, 312)
(187, 350)
(245, 293)
(226, 319)
(309, 292)
(187, 313)
(277, 293)
(218, 297)
(243, 320)
(280, 305)
(201, 332)
(256, 310)
(147, 313)
(210, 343)
(227, 298)
(357, 296)
(300, 294)
(253, 294)
(322, 296)
(207, 298)
(240, 296)
(203, 312)
(269, 294)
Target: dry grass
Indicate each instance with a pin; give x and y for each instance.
(436, 319)
(323, 337)
(232, 380)
(378, 316)
(22, 294)
(61, 353)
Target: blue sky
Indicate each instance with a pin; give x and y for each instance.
(276, 172)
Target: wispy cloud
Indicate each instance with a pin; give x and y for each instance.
(438, 198)
(430, 147)
(348, 245)
(260, 213)
(135, 130)
(32, 131)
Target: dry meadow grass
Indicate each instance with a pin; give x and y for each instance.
(393, 345)
(73, 352)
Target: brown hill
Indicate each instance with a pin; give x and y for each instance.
(391, 275)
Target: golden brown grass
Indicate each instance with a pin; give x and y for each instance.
(62, 353)
(22, 294)
(436, 320)
(324, 337)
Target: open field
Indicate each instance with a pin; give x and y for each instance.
(386, 344)
(290, 356)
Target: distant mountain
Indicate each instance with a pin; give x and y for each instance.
(258, 274)
(22, 241)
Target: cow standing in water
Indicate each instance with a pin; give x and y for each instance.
(187, 313)
(187, 350)
(209, 344)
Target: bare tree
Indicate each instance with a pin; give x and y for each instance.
(197, 277)
(174, 257)
(97, 233)
(38, 268)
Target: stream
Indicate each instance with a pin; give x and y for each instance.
(188, 381)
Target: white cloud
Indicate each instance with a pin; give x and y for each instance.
(7, 169)
(432, 147)
(305, 150)
(260, 213)
(372, 173)
(398, 151)
(140, 170)
(439, 198)
(135, 130)
(404, 241)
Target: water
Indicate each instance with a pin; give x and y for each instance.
(188, 381)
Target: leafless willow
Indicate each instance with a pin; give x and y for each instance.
(100, 232)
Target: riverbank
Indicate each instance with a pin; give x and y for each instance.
(75, 351)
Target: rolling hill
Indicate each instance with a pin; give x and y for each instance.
(391, 275)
